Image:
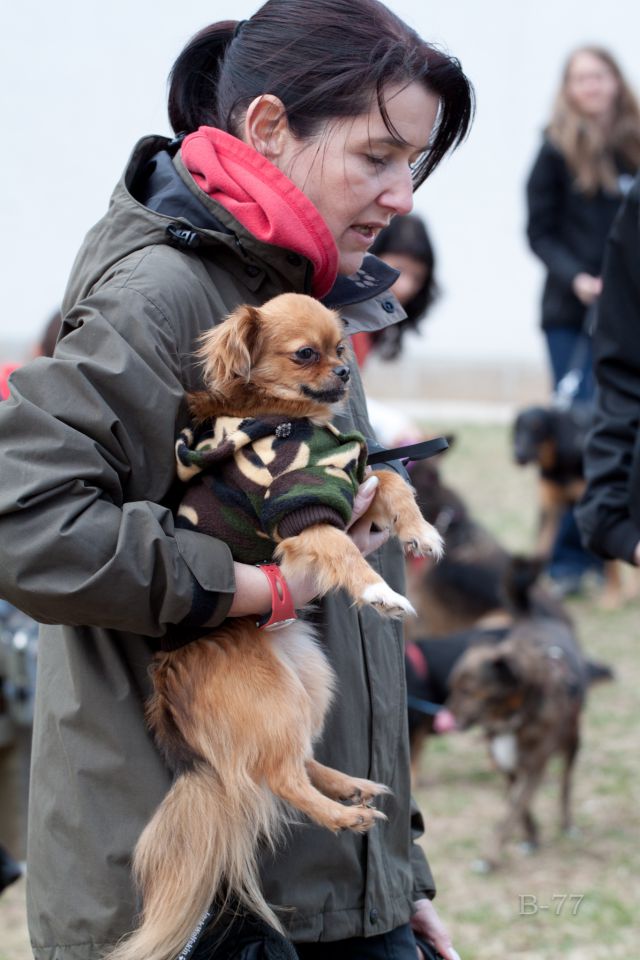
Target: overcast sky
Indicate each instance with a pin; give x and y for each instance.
(81, 81)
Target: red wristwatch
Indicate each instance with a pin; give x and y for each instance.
(283, 612)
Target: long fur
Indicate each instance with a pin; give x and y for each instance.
(237, 712)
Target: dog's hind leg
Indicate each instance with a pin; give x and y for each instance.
(612, 595)
(340, 786)
(571, 751)
(290, 782)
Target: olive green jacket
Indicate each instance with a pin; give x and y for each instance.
(88, 546)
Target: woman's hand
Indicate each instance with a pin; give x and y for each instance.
(636, 555)
(428, 925)
(366, 540)
(587, 288)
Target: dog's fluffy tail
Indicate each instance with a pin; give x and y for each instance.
(200, 842)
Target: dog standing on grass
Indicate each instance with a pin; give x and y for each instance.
(237, 712)
(527, 693)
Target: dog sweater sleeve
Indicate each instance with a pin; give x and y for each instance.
(318, 486)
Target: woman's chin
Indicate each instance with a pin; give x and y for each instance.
(350, 263)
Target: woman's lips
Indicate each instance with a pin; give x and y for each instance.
(366, 233)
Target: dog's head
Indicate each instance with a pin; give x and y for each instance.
(291, 349)
(487, 686)
(532, 430)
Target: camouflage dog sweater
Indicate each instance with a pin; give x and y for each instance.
(256, 481)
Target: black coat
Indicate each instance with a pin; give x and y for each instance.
(609, 515)
(567, 230)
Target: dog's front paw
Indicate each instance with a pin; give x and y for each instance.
(364, 792)
(361, 819)
(386, 601)
(426, 542)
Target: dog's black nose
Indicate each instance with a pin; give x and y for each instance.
(343, 372)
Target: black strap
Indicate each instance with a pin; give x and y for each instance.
(415, 451)
(423, 706)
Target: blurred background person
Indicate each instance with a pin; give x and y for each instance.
(406, 246)
(609, 515)
(589, 155)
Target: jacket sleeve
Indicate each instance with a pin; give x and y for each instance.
(423, 884)
(87, 452)
(546, 194)
(612, 458)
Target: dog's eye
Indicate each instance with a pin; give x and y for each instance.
(340, 349)
(306, 355)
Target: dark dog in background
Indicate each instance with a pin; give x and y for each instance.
(465, 589)
(554, 439)
(527, 692)
(429, 662)
(465, 586)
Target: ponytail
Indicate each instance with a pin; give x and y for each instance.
(194, 78)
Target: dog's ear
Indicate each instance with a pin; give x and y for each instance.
(229, 350)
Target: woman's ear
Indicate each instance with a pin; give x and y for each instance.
(266, 127)
(229, 350)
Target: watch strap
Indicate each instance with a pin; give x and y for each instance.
(283, 612)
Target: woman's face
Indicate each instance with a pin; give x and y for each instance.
(357, 174)
(413, 275)
(591, 85)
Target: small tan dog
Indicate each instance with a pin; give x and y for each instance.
(237, 712)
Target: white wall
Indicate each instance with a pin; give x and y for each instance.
(80, 81)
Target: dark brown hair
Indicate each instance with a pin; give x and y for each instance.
(324, 61)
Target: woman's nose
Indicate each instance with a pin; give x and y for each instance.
(398, 194)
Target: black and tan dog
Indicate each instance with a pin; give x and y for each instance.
(527, 693)
(554, 440)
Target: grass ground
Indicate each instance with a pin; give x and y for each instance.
(577, 897)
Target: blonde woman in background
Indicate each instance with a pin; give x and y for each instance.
(589, 155)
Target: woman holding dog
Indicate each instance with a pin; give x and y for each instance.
(586, 163)
(300, 133)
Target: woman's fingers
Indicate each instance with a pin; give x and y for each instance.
(364, 498)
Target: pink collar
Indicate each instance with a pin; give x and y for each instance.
(262, 199)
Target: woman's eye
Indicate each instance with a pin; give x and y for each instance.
(305, 354)
(377, 161)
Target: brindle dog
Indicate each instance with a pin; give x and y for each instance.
(527, 693)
